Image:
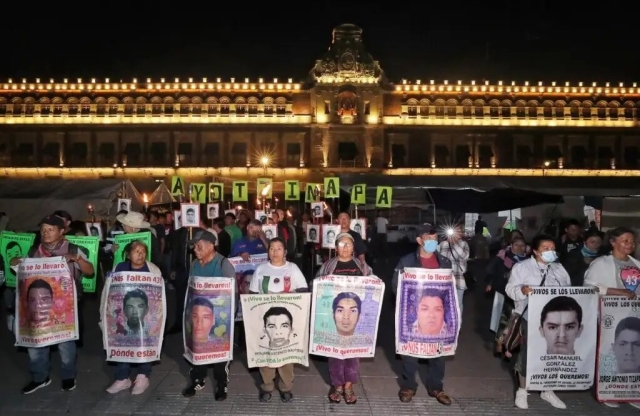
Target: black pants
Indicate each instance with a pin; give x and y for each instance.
(220, 372)
(435, 376)
(238, 335)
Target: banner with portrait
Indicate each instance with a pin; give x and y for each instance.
(46, 303)
(277, 329)
(14, 245)
(345, 314)
(244, 273)
(122, 240)
(89, 247)
(562, 332)
(427, 315)
(133, 313)
(208, 320)
(618, 369)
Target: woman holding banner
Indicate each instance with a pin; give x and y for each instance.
(277, 276)
(136, 255)
(540, 270)
(344, 372)
(616, 273)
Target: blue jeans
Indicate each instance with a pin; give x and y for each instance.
(460, 301)
(39, 366)
(124, 369)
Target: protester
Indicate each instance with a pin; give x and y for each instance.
(359, 246)
(344, 372)
(272, 277)
(540, 270)
(255, 242)
(427, 257)
(457, 251)
(231, 228)
(576, 262)
(136, 261)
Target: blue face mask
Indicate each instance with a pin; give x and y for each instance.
(430, 246)
(588, 253)
(549, 256)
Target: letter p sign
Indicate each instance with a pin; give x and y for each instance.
(359, 194)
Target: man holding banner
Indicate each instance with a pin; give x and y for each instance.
(425, 257)
(53, 244)
(208, 263)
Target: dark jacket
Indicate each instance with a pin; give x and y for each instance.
(224, 243)
(575, 265)
(413, 260)
(497, 271)
(180, 252)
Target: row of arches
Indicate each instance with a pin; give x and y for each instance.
(144, 100)
(521, 103)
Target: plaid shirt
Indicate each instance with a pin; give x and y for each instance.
(458, 253)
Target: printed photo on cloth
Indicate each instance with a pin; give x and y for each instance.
(562, 329)
(208, 320)
(124, 204)
(213, 211)
(123, 240)
(427, 315)
(133, 317)
(46, 303)
(618, 369)
(329, 234)
(14, 245)
(359, 226)
(317, 209)
(190, 215)
(270, 231)
(261, 216)
(313, 233)
(345, 315)
(94, 229)
(277, 329)
(244, 274)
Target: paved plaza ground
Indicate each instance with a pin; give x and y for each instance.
(478, 383)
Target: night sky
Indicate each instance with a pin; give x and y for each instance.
(497, 40)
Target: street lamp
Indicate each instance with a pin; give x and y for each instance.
(264, 161)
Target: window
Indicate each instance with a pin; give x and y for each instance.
(579, 156)
(523, 156)
(485, 153)
(77, 154)
(293, 154)
(398, 155)
(51, 154)
(107, 154)
(631, 156)
(462, 156)
(185, 151)
(605, 154)
(23, 155)
(239, 154)
(347, 151)
(158, 154)
(441, 153)
(133, 154)
(212, 156)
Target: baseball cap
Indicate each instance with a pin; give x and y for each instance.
(53, 220)
(63, 214)
(343, 235)
(202, 234)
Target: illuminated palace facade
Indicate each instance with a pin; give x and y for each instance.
(346, 117)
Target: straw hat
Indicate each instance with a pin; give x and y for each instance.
(133, 220)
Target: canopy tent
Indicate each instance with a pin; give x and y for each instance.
(27, 201)
(161, 196)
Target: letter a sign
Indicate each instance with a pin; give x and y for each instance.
(358, 194)
(383, 196)
(332, 187)
(177, 186)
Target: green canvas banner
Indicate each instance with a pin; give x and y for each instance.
(14, 245)
(89, 247)
(123, 239)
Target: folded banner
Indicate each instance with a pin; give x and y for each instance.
(345, 316)
(427, 315)
(46, 303)
(14, 245)
(133, 317)
(208, 320)
(244, 273)
(277, 329)
(619, 350)
(562, 331)
(89, 246)
(122, 240)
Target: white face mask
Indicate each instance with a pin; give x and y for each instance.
(549, 256)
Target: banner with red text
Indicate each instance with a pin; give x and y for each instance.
(46, 303)
(133, 317)
(208, 319)
(345, 315)
(427, 314)
(618, 370)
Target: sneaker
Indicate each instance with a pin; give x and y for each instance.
(192, 388)
(522, 401)
(119, 385)
(286, 396)
(550, 396)
(69, 384)
(140, 384)
(33, 386)
(221, 392)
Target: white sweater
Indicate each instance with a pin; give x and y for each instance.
(529, 273)
(602, 274)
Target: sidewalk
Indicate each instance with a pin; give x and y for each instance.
(478, 383)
